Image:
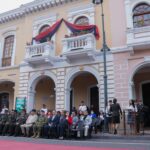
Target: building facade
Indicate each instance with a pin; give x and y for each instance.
(69, 69)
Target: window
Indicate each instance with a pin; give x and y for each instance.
(43, 28)
(8, 50)
(82, 21)
(141, 15)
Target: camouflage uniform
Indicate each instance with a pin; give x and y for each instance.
(41, 121)
(21, 119)
(9, 125)
(3, 119)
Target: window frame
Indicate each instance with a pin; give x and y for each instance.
(142, 15)
(80, 17)
(10, 45)
(8, 32)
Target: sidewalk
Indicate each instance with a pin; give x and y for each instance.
(108, 136)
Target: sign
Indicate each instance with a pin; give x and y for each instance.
(20, 103)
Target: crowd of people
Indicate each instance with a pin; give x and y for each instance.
(58, 124)
(45, 123)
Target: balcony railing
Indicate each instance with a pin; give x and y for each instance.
(81, 42)
(40, 50)
(138, 36)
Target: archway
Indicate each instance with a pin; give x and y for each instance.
(141, 88)
(82, 85)
(41, 91)
(7, 94)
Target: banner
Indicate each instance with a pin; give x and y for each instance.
(20, 103)
(73, 27)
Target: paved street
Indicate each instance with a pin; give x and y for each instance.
(13, 143)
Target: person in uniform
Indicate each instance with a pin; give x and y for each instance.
(20, 120)
(10, 124)
(3, 119)
(37, 127)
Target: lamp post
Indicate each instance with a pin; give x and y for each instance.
(104, 49)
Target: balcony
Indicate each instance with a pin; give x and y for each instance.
(81, 47)
(42, 53)
(139, 38)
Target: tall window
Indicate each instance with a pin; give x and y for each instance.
(141, 15)
(82, 21)
(8, 50)
(43, 28)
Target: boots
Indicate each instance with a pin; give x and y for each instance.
(38, 135)
(34, 135)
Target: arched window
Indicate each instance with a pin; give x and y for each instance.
(141, 15)
(82, 21)
(43, 28)
(8, 50)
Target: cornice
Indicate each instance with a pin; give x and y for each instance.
(36, 5)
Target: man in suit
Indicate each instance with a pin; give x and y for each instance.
(51, 127)
(62, 125)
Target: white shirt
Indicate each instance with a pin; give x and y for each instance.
(131, 108)
(82, 108)
(45, 110)
(3, 110)
(31, 119)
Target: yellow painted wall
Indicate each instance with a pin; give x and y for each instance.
(24, 30)
(7, 87)
(44, 90)
(80, 87)
(25, 26)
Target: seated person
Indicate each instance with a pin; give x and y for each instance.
(52, 124)
(3, 119)
(75, 119)
(20, 120)
(87, 122)
(29, 123)
(10, 123)
(40, 122)
(62, 125)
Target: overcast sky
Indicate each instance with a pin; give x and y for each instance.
(6, 5)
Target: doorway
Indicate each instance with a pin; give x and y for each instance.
(94, 99)
(146, 102)
(4, 100)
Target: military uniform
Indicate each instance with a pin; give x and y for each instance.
(3, 119)
(21, 119)
(37, 127)
(10, 124)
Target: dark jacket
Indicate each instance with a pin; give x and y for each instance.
(54, 121)
(115, 109)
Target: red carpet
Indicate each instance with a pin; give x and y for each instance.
(12, 145)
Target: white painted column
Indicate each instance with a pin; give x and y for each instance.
(30, 101)
(131, 90)
(67, 99)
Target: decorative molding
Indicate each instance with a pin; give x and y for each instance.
(87, 11)
(36, 5)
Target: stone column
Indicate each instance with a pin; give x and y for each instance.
(131, 90)
(30, 104)
(67, 99)
(60, 89)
